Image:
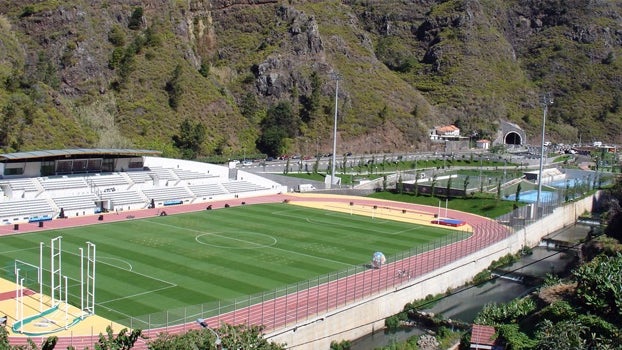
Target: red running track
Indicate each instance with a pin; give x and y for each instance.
(312, 302)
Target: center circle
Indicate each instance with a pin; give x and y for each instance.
(236, 240)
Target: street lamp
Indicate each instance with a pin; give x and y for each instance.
(336, 77)
(546, 101)
(218, 342)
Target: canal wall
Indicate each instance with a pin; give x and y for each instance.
(363, 317)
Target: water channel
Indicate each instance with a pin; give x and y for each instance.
(465, 303)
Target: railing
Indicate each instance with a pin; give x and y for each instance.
(302, 301)
(305, 300)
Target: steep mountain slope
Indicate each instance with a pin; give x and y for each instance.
(112, 73)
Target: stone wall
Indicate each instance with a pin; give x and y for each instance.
(363, 317)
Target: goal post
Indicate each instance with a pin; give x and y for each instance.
(29, 276)
(29, 272)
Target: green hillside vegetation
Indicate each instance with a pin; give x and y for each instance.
(110, 74)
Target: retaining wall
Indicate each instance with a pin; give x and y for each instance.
(361, 318)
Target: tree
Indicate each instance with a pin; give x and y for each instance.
(152, 37)
(282, 116)
(448, 194)
(249, 107)
(561, 335)
(416, 185)
(316, 164)
(116, 36)
(48, 344)
(342, 345)
(613, 215)
(517, 195)
(123, 341)
(279, 124)
(465, 185)
(271, 141)
(232, 337)
(433, 185)
(8, 119)
(190, 138)
(599, 286)
(174, 88)
(311, 104)
(286, 169)
(136, 19)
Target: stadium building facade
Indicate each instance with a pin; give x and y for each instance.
(44, 185)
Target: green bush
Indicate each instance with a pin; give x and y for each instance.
(28, 11)
(392, 323)
(136, 19)
(116, 36)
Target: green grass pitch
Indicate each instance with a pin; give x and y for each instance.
(160, 263)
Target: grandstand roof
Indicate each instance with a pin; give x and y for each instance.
(76, 153)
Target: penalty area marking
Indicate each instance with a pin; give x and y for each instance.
(251, 245)
(105, 258)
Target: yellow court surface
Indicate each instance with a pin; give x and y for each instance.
(40, 319)
(379, 211)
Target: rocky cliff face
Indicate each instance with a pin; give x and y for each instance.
(99, 73)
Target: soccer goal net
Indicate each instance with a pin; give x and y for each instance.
(27, 271)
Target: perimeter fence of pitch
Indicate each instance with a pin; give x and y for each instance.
(303, 301)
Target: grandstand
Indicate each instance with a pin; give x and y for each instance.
(79, 203)
(208, 190)
(27, 210)
(41, 185)
(16, 188)
(123, 200)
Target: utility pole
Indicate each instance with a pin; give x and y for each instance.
(336, 77)
(545, 102)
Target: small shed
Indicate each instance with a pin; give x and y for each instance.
(484, 337)
(482, 144)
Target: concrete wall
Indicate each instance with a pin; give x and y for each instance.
(365, 316)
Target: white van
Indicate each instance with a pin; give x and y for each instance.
(305, 188)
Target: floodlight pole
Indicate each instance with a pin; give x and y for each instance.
(546, 101)
(336, 77)
(218, 342)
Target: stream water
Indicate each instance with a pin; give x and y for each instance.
(465, 303)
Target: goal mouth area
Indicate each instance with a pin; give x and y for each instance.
(23, 270)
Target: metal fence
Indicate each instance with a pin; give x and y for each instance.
(305, 300)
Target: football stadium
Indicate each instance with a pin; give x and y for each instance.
(92, 238)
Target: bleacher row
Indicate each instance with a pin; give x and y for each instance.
(112, 188)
